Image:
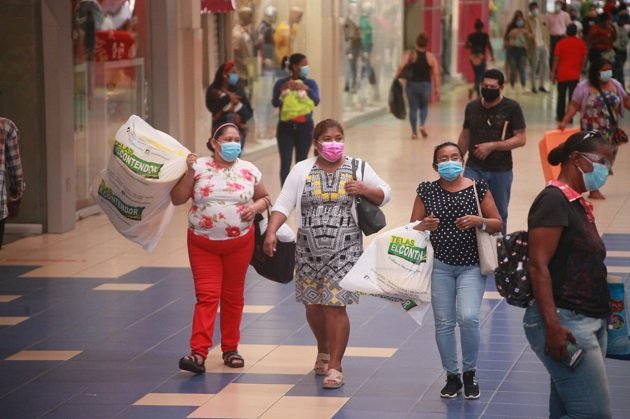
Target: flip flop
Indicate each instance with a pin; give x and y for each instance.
(333, 380)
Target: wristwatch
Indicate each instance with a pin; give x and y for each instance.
(484, 224)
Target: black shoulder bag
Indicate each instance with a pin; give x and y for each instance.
(369, 216)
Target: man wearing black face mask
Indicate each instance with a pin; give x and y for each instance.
(493, 126)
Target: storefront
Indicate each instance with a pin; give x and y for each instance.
(110, 77)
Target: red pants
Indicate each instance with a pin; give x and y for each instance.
(218, 268)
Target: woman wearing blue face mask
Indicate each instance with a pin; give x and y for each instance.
(296, 133)
(600, 99)
(227, 193)
(227, 101)
(568, 275)
(448, 209)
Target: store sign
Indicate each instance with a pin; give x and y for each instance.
(217, 6)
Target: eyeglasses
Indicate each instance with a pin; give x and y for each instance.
(596, 158)
(338, 139)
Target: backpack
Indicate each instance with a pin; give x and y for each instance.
(511, 277)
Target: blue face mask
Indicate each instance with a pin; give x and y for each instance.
(605, 75)
(450, 170)
(230, 151)
(593, 181)
(304, 71)
(233, 78)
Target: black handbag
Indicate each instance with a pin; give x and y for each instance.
(279, 267)
(369, 216)
(396, 101)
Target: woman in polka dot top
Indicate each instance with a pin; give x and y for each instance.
(448, 209)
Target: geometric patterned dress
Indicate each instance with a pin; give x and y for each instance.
(329, 242)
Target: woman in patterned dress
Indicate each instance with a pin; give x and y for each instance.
(588, 98)
(329, 241)
(227, 193)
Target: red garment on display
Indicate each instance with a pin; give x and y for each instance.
(115, 45)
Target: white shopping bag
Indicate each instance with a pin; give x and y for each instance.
(397, 265)
(134, 190)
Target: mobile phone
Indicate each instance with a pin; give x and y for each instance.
(574, 355)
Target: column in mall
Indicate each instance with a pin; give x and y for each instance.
(323, 34)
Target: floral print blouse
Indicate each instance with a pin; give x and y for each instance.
(219, 196)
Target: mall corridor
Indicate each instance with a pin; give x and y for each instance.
(91, 326)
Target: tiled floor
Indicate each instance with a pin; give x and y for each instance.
(91, 326)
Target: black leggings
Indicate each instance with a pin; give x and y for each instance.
(293, 135)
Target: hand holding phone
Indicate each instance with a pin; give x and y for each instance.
(574, 355)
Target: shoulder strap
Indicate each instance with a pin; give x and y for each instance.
(611, 114)
(362, 168)
(477, 198)
(354, 169)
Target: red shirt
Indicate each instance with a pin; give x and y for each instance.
(570, 52)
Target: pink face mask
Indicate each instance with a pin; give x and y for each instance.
(332, 151)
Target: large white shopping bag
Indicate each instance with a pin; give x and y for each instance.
(397, 266)
(134, 190)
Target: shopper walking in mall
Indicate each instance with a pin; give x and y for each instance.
(493, 126)
(295, 134)
(569, 60)
(600, 99)
(516, 56)
(227, 101)
(537, 48)
(478, 43)
(421, 70)
(566, 324)
(448, 208)
(321, 190)
(227, 193)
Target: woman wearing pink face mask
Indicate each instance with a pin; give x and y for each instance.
(329, 241)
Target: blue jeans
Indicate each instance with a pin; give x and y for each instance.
(418, 96)
(581, 392)
(500, 186)
(456, 294)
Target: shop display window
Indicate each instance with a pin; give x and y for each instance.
(109, 49)
(371, 52)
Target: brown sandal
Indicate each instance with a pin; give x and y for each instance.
(233, 359)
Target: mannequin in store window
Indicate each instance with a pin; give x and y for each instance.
(264, 39)
(243, 44)
(352, 35)
(286, 33)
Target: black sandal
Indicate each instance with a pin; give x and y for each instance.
(233, 359)
(194, 363)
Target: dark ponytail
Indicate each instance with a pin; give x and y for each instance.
(582, 142)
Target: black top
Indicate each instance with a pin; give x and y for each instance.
(450, 244)
(478, 42)
(486, 125)
(578, 273)
(217, 99)
(420, 69)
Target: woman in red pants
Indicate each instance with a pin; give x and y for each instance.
(227, 193)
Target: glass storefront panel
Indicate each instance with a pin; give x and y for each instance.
(371, 52)
(110, 50)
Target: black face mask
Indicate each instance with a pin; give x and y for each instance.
(490, 95)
